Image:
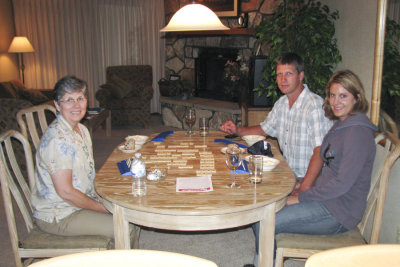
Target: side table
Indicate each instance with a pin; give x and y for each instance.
(93, 121)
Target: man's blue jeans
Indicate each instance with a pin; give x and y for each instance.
(311, 218)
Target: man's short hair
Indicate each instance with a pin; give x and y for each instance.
(291, 59)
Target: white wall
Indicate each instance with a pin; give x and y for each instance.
(8, 62)
(355, 32)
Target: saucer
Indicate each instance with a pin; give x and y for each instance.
(242, 150)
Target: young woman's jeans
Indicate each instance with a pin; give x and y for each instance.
(311, 218)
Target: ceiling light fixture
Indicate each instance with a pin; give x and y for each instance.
(194, 17)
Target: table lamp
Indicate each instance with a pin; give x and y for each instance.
(194, 17)
(20, 44)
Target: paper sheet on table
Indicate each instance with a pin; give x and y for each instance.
(194, 184)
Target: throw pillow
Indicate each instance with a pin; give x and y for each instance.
(34, 96)
(18, 86)
(122, 89)
(7, 90)
(115, 91)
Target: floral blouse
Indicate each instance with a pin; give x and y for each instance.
(62, 148)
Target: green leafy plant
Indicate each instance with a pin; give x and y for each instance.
(306, 28)
(391, 68)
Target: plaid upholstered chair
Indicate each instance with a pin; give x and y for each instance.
(127, 93)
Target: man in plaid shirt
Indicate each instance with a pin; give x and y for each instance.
(297, 120)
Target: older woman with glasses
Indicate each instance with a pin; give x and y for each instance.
(63, 198)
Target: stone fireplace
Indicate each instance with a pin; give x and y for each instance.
(209, 72)
(183, 49)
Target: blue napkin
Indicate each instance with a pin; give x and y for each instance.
(162, 136)
(123, 167)
(243, 169)
(225, 141)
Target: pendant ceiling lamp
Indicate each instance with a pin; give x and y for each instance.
(194, 17)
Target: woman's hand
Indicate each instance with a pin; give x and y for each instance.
(292, 200)
(296, 189)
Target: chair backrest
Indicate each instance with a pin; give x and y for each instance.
(139, 75)
(387, 152)
(33, 120)
(121, 258)
(387, 124)
(14, 184)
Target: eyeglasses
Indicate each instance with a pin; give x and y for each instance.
(71, 101)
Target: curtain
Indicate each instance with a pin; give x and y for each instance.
(83, 37)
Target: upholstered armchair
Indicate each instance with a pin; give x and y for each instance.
(127, 93)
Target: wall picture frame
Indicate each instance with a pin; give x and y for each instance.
(223, 8)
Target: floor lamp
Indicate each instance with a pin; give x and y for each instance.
(20, 44)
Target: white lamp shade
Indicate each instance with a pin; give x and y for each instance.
(194, 17)
(20, 44)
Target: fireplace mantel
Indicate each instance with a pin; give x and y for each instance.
(238, 31)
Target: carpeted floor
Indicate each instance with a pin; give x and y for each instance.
(231, 248)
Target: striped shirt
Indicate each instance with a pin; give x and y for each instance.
(298, 129)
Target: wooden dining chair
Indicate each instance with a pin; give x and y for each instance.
(35, 243)
(125, 258)
(33, 121)
(302, 246)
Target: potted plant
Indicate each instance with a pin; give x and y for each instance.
(306, 28)
(235, 78)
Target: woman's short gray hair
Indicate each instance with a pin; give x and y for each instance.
(68, 84)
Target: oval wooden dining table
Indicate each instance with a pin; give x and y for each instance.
(164, 208)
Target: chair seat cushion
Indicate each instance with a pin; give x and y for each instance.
(320, 242)
(38, 239)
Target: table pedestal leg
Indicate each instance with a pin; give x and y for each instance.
(267, 237)
(121, 229)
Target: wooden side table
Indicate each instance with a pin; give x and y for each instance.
(95, 120)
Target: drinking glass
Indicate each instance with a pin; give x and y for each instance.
(256, 169)
(190, 119)
(203, 126)
(233, 161)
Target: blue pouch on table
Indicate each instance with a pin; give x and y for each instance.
(162, 136)
(225, 141)
(124, 167)
(243, 169)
